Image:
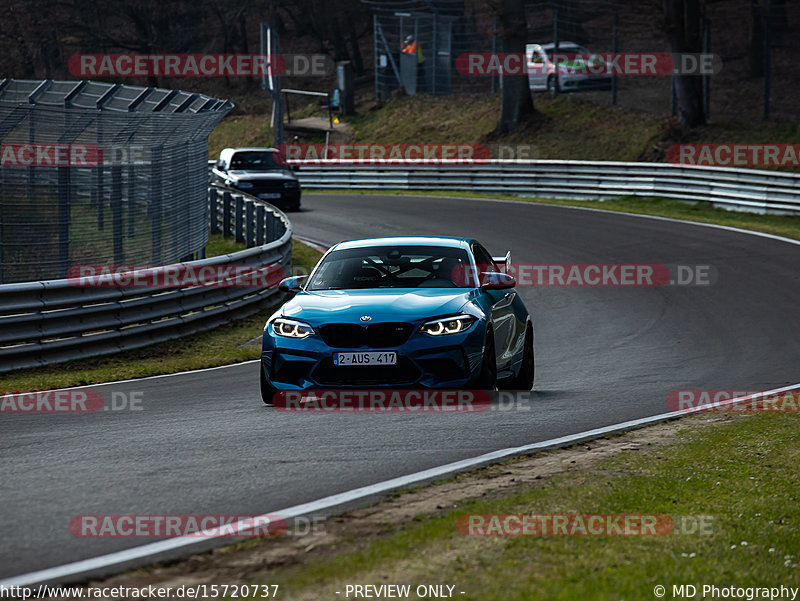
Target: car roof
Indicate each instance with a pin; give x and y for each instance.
(551, 45)
(449, 241)
(227, 153)
(253, 149)
(561, 45)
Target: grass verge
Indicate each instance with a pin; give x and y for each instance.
(221, 346)
(740, 472)
(571, 126)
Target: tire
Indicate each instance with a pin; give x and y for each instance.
(267, 390)
(524, 379)
(487, 380)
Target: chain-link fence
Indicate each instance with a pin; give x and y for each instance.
(751, 39)
(416, 44)
(101, 174)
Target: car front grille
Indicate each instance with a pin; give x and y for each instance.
(376, 335)
(260, 187)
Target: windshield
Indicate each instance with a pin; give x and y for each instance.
(567, 52)
(393, 267)
(255, 160)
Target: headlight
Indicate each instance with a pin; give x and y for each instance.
(290, 328)
(448, 325)
(290, 184)
(244, 185)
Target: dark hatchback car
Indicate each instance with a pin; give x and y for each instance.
(258, 172)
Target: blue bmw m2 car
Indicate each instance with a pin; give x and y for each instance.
(400, 312)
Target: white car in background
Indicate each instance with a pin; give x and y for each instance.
(260, 172)
(574, 72)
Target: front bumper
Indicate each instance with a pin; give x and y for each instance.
(447, 362)
(289, 199)
(569, 83)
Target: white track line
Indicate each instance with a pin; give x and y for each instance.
(316, 245)
(76, 569)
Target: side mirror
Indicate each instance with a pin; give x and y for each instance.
(492, 280)
(292, 284)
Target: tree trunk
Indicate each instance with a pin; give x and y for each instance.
(355, 51)
(683, 19)
(778, 18)
(756, 55)
(517, 105)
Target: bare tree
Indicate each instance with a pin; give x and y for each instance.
(517, 103)
(756, 55)
(334, 25)
(769, 14)
(683, 26)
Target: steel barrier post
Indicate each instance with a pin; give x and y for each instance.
(238, 227)
(226, 215)
(213, 226)
(260, 225)
(249, 229)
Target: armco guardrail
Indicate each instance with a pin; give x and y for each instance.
(742, 189)
(56, 320)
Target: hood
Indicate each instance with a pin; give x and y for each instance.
(383, 304)
(250, 176)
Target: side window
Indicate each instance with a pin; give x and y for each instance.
(483, 258)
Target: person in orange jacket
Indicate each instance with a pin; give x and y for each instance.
(412, 47)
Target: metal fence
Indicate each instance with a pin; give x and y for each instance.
(751, 39)
(740, 189)
(100, 173)
(442, 30)
(52, 321)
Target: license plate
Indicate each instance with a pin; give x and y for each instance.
(270, 195)
(366, 358)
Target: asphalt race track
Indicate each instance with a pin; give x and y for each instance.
(204, 444)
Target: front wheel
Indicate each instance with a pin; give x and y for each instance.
(524, 379)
